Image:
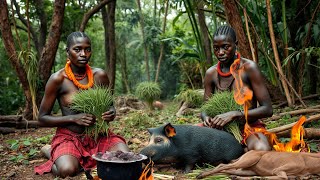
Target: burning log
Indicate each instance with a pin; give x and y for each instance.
(292, 113)
(288, 126)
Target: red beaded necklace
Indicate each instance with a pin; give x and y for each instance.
(228, 73)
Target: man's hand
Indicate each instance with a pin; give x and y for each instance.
(222, 119)
(84, 119)
(109, 115)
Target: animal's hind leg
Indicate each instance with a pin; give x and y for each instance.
(245, 161)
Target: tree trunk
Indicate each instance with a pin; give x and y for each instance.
(106, 37)
(91, 12)
(124, 71)
(276, 55)
(112, 43)
(162, 43)
(8, 41)
(234, 19)
(51, 47)
(43, 23)
(205, 33)
(145, 47)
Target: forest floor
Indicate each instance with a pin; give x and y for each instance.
(20, 151)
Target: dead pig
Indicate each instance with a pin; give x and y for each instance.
(188, 144)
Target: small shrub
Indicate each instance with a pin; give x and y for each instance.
(148, 92)
(194, 98)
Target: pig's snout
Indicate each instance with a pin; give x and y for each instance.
(150, 152)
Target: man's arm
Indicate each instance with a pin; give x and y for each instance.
(260, 91)
(47, 103)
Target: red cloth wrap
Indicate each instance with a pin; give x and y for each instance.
(67, 142)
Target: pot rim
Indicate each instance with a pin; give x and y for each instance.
(143, 157)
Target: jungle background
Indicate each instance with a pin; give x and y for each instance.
(164, 41)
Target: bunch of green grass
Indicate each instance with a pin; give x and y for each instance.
(222, 102)
(94, 101)
(148, 92)
(193, 97)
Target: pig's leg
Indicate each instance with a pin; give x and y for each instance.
(245, 161)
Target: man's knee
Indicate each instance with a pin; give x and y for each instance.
(67, 169)
(258, 142)
(67, 166)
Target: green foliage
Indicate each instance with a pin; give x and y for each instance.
(11, 94)
(30, 64)
(26, 148)
(94, 101)
(193, 97)
(148, 91)
(222, 102)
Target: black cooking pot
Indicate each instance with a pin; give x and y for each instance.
(119, 170)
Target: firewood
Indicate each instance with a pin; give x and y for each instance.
(291, 113)
(6, 130)
(289, 126)
(11, 118)
(310, 133)
(303, 98)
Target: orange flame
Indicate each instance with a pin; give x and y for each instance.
(147, 172)
(296, 144)
(242, 93)
(243, 96)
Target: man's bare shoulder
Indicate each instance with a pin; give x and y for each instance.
(57, 77)
(249, 64)
(211, 70)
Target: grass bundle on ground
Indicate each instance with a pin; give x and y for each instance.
(94, 101)
(194, 98)
(148, 91)
(222, 102)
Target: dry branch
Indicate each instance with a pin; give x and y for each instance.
(291, 113)
(310, 133)
(17, 122)
(6, 130)
(288, 126)
(296, 99)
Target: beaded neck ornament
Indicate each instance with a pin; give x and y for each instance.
(74, 79)
(228, 73)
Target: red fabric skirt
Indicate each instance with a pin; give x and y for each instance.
(66, 142)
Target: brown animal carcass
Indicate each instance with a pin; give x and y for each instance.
(270, 164)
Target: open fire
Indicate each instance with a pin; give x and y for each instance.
(243, 96)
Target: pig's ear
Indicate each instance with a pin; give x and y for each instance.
(169, 130)
(151, 130)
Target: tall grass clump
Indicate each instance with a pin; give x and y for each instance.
(148, 92)
(194, 98)
(222, 102)
(94, 101)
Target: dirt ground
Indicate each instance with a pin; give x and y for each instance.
(20, 151)
(9, 169)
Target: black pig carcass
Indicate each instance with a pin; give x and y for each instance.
(188, 144)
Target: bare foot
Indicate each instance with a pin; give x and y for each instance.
(46, 151)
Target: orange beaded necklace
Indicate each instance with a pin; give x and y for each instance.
(72, 77)
(228, 73)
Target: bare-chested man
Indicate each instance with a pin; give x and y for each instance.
(219, 78)
(70, 149)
